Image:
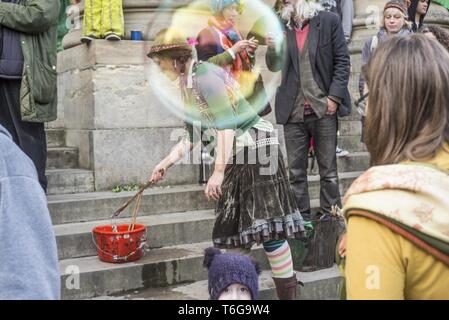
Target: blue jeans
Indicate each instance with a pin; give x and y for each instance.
(297, 138)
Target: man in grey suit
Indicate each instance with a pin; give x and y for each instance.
(315, 66)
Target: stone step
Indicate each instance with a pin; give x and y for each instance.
(158, 268)
(173, 266)
(318, 285)
(55, 138)
(100, 205)
(68, 181)
(75, 240)
(354, 116)
(93, 206)
(62, 158)
(351, 143)
(354, 161)
(350, 128)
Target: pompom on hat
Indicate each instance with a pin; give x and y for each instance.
(226, 269)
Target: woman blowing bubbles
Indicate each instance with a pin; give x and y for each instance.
(254, 201)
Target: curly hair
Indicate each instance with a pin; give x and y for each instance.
(439, 33)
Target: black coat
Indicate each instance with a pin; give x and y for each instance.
(330, 62)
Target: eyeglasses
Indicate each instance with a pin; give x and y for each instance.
(360, 104)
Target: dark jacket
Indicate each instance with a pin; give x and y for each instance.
(412, 15)
(36, 20)
(330, 62)
(11, 57)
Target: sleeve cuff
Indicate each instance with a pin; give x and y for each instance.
(335, 99)
(231, 52)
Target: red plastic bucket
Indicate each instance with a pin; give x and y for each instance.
(121, 246)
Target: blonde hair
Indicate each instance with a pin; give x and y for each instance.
(407, 24)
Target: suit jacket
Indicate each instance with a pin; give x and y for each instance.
(330, 62)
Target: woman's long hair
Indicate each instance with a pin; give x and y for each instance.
(408, 103)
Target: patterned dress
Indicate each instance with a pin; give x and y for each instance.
(257, 202)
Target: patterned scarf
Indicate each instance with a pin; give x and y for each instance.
(409, 198)
(228, 37)
(197, 104)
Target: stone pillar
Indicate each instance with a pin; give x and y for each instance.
(113, 117)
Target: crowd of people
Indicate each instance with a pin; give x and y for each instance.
(397, 238)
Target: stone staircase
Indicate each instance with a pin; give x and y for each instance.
(179, 221)
(63, 173)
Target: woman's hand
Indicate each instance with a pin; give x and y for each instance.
(240, 46)
(213, 188)
(159, 173)
(270, 40)
(342, 246)
(253, 45)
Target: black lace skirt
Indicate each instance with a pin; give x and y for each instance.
(257, 202)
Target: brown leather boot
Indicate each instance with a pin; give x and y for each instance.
(286, 287)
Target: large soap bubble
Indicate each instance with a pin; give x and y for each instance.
(256, 20)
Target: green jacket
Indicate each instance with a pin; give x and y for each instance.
(37, 21)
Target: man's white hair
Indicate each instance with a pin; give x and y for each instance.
(304, 9)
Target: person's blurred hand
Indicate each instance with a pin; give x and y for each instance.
(342, 246)
(331, 107)
(213, 188)
(159, 173)
(240, 46)
(270, 40)
(253, 45)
